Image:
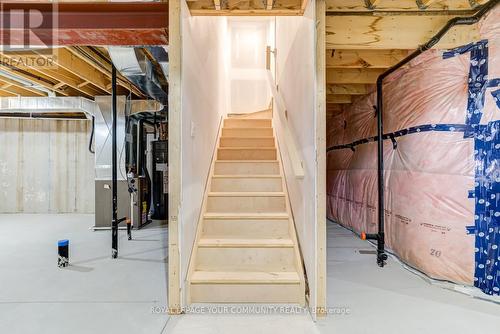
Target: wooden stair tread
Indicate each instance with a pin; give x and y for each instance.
(239, 148)
(245, 243)
(246, 194)
(250, 161)
(244, 277)
(260, 137)
(243, 215)
(246, 176)
(246, 128)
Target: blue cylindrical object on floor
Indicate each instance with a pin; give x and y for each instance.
(63, 253)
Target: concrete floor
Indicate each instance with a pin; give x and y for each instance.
(96, 294)
(100, 295)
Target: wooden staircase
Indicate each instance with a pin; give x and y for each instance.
(246, 249)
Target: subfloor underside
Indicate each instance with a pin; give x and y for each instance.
(100, 295)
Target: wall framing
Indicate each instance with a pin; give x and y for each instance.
(320, 130)
(174, 156)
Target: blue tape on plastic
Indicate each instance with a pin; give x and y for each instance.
(487, 209)
(496, 97)
(487, 169)
(62, 243)
(478, 81)
(470, 229)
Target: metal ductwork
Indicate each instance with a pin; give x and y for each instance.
(145, 68)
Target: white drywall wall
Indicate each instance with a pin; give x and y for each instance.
(45, 166)
(203, 104)
(295, 68)
(247, 86)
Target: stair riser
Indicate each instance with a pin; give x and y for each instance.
(230, 228)
(246, 154)
(246, 168)
(264, 114)
(247, 293)
(263, 132)
(246, 184)
(250, 204)
(247, 123)
(245, 259)
(247, 142)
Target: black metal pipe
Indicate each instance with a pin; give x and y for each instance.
(381, 256)
(92, 135)
(114, 223)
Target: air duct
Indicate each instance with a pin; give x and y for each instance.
(137, 66)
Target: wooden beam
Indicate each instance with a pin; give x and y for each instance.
(66, 60)
(320, 141)
(246, 12)
(174, 156)
(33, 78)
(393, 32)
(352, 89)
(352, 76)
(18, 88)
(371, 4)
(59, 76)
(303, 5)
(88, 55)
(364, 58)
(338, 99)
(424, 4)
(396, 5)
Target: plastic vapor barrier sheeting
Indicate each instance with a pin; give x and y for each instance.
(442, 162)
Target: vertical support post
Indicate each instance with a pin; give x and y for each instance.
(320, 131)
(174, 154)
(114, 223)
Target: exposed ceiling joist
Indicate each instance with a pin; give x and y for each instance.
(352, 76)
(371, 4)
(96, 60)
(246, 12)
(339, 99)
(364, 58)
(18, 88)
(393, 32)
(351, 89)
(399, 5)
(247, 7)
(71, 63)
(50, 75)
(35, 80)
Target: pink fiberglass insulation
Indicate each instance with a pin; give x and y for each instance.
(433, 108)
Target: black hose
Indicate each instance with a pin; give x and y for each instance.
(380, 237)
(92, 136)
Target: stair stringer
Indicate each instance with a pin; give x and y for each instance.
(291, 223)
(199, 227)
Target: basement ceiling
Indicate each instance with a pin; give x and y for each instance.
(247, 7)
(365, 37)
(69, 71)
